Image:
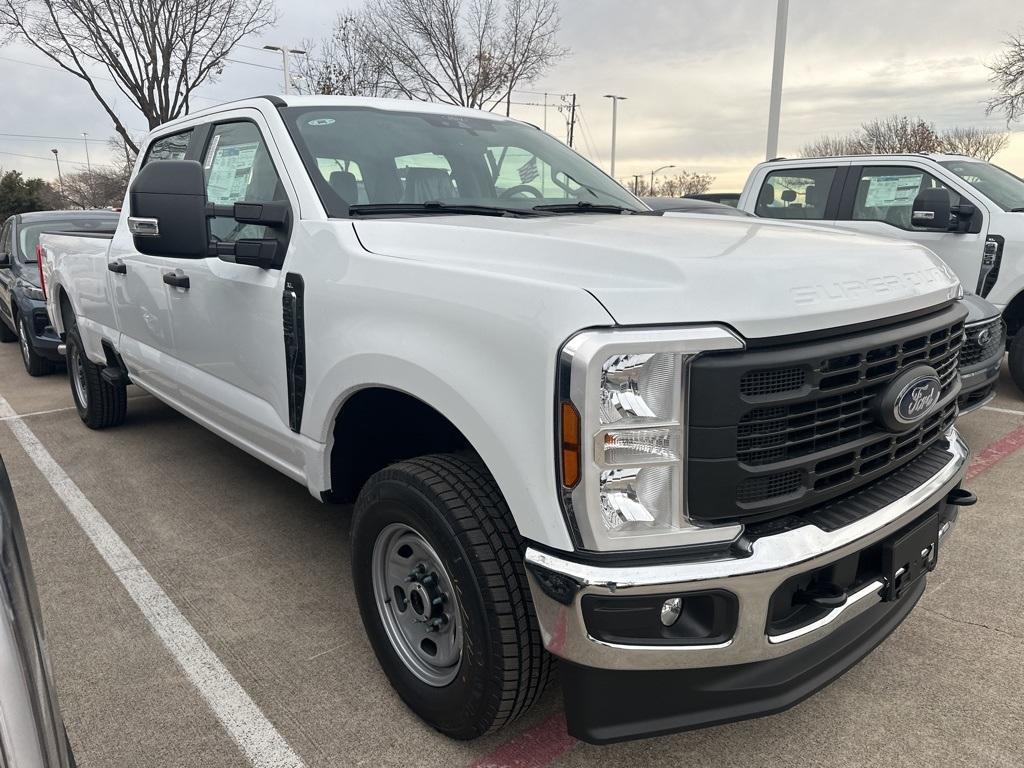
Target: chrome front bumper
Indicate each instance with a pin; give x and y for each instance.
(753, 579)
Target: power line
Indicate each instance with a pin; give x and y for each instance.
(37, 157)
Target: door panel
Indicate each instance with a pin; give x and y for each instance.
(228, 328)
(141, 302)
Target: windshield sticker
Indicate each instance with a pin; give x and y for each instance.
(892, 190)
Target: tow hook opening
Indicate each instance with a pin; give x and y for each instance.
(961, 497)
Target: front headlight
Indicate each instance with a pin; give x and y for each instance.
(622, 435)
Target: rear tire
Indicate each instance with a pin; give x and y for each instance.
(1016, 360)
(99, 403)
(35, 364)
(471, 546)
(6, 334)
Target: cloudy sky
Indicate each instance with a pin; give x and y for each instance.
(696, 74)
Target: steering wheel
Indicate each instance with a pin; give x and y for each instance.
(521, 189)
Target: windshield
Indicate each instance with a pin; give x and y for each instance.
(28, 234)
(1001, 187)
(361, 156)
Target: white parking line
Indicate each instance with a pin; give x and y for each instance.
(237, 712)
(1002, 410)
(36, 413)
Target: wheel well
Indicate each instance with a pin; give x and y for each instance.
(1014, 315)
(66, 310)
(377, 427)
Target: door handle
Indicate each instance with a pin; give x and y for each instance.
(177, 279)
(118, 266)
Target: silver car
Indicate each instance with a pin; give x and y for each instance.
(32, 733)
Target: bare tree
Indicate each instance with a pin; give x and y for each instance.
(682, 184)
(973, 142)
(467, 52)
(157, 52)
(1008, 78)
(345, 62)
(900, 134)
(832, 146)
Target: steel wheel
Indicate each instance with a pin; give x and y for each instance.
(418, 606)
(77, 370)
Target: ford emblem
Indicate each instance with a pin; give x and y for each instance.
(917, 399)
(909, 399)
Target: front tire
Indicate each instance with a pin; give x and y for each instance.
(1016, 359)
(35, 364)
(435, 531)
(99, 403)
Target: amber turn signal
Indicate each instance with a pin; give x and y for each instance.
(570, 432)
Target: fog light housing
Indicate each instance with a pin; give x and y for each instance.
(690, 618)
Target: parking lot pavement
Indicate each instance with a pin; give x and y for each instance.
(261, 571)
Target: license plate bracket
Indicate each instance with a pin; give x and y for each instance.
(909, 555)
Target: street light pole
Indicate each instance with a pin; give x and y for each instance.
(615, 119)
(775, 104)
(60, 178)
(658, 170)
(285, 50)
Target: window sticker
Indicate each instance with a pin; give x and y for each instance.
(230, 173)
(892, 190)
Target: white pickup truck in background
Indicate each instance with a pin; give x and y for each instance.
(706, 461)
(969, 212)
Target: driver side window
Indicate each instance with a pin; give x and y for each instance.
(238, 169)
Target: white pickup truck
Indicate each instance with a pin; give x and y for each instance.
(968, 211)
(706, 461)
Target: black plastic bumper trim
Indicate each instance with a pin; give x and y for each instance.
(605, 706)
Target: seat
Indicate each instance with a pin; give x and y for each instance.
(425, 184)
(344, 183)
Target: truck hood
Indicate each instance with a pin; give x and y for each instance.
(762, 278)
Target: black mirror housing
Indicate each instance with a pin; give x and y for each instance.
(931, 209)
(168, 210)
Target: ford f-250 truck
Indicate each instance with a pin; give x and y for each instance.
(705, 461)
(968, 211)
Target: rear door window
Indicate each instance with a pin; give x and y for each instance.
(795, 193)
(173, 147)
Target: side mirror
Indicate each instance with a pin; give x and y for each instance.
(168, 210)
(931, 209)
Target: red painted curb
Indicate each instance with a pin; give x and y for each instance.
(533, 748)
(996, 452)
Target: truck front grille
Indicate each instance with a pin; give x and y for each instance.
(982, 341)
(781, 429)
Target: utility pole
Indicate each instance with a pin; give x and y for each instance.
(572, 119)
(60, 178)
(615, 119)
(88, 167)
(636, 183)
(285, 51)
(775, 104)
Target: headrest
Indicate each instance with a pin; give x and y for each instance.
(344, 183)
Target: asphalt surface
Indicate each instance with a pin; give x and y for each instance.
(261, 571)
